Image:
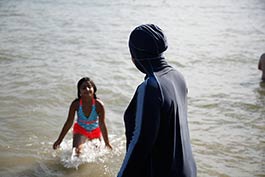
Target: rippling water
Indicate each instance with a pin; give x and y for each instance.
(46, 46)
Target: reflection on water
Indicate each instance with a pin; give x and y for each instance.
(260, 95)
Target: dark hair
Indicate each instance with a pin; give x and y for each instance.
(86, 79)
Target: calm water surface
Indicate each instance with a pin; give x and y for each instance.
(46, 46)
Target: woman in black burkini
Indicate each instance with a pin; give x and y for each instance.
(157, 134)
(261, 66)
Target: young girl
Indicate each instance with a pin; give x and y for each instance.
(91, 117)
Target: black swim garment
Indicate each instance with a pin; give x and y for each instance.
(157, 134)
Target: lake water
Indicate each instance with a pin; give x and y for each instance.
(46, 46)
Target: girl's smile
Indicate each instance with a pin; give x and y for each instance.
(86, 89)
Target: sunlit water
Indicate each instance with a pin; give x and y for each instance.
(46, 46)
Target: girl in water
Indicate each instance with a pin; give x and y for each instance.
(90, 123)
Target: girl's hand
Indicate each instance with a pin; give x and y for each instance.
(108, 146)
(56, 144)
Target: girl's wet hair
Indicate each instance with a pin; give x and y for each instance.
(86, 79)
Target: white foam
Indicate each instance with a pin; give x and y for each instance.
(93, 152)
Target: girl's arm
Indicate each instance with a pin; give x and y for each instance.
(102, 124)
(67, 125)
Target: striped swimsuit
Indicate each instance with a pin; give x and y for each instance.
(87, 126)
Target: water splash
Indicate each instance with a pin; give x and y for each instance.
(93, 152)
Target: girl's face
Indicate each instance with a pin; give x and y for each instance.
(86, 89)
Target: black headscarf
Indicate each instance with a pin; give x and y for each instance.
(147, 43)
